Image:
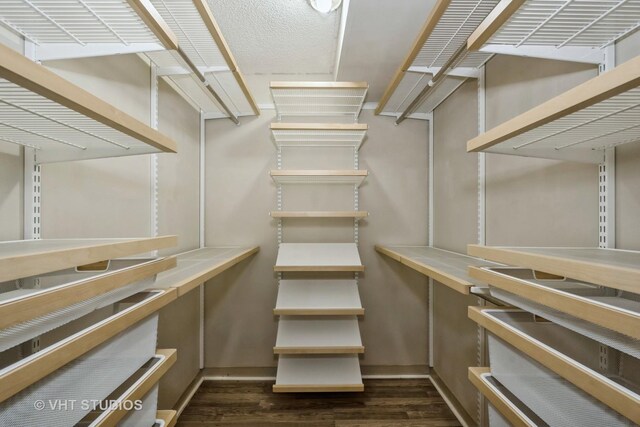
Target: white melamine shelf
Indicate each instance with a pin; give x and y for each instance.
(443, 35)
(584, 25)
(446, 267)
(320, 214)
(315, 297)
(348, 176)
(613, 268)
(318, 335)
(319, 98)
(61, 121)
(318, 134)
(578, 125)
(197, 266)
(24, 258)
(318, 257)
(336, 373)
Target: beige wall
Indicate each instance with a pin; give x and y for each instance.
(240, 326)
(11, 192)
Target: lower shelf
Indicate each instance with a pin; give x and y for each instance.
(308, 374)
(318, 298)
(318, 335)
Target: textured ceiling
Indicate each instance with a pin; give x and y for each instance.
(278, 37)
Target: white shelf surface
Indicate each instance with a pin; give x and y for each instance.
(318, 374)
(318, 257)
(318, 335)
(24, 258)
(555, 24)
(315, 297)
(197, 266)
(318, 134)
(578, 125)
(332, 99)
(351, 177)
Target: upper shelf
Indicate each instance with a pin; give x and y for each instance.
(353, 177)
(24, 258)
(318, 134)
(319, 98)
(448, 268)
(613, 268)
(60, 121)
(318, 257)
(567, 30)
(197, 266)
(440, 44)
(578, 125)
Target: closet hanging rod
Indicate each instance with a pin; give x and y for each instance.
(203, 79)
(435, 81)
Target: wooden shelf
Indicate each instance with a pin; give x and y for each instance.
(318, 298)
(33, 303)
(320, 214)
(582, 25)
(169, 417)
(577, 299)
(353, 177)
(318, 257)
(315, 99)
(318, 134)
(200, 265)
(318, 335)
(577, 125)
(55, 357)
(309, 374)
(448, 268)
(591, 382)
(24, 258)
(63, 122)
(496, 394)
(613, 268)
(151, 375)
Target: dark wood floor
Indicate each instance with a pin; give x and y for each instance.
(384, 403)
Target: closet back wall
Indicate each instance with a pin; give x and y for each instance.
(240, 327)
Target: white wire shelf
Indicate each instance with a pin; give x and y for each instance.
(353, 177)
(571, 28)
(319, 98)
(60, 121)
(578, 125)
(442, 37)
(318, 134)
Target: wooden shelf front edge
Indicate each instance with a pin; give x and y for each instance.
(38, 79)
(319, 85)
(314, 388)
(492, 23)
(319, 350)
(318, 311)
(497, 400)
(621, 79)
(310, 268)
(169, 357)
(319, 214)
(319, 126)
(47, 362)
(305, 172)
(170, 417)
(33, 306)
(611, 317)
(457, 284)
(579, 375)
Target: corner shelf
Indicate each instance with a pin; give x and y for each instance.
(62, 122)
(318, 257)
(448, 268)
(352, 177)
(200, 265)
(318, 298)
(318, 335)
(578, 125)
(318, 98)
(576, 30)
(318, 134)
(320, 214)
(309, 374)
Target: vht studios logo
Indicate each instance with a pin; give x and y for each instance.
(87, 405)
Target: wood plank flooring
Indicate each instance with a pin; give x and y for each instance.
(411, 402)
